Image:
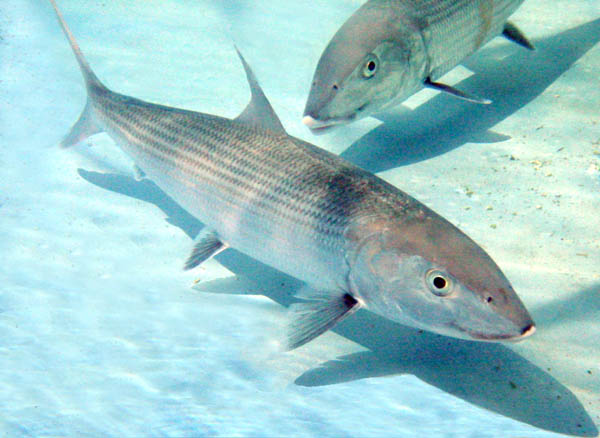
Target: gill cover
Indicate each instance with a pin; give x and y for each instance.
(431, 276)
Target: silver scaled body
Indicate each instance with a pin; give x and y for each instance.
(279, 199)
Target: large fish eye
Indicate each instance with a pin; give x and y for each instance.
(439, 283)
(370, 66)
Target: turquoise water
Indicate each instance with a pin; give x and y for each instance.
(103, 334)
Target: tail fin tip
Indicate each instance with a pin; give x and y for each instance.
(88, 74)
(82, 129)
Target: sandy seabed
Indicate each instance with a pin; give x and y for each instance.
(101, 332)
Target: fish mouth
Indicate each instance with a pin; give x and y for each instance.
(527, 331)
(321, 126)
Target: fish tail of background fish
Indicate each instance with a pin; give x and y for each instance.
(454, 29)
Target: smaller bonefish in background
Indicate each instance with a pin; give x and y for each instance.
(390, 49)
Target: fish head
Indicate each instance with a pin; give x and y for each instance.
(429, 275)
(375, 60)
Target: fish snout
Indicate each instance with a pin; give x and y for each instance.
(315, 125)
(313, 117)
(506, 336)
(311, 122)
(317, 112)
(527, 331)
(500, 317)
(319, 123)
(508, 305)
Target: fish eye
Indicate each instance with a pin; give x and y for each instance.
(370, 66)
(439, 283)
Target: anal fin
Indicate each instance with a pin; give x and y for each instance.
(83, 128)
(208, 244)
(514, 34)
(309, 319)
(456, 93)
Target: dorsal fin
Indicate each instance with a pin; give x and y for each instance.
(259, 111)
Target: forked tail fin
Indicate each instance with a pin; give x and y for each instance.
(88, 74)
(87, 124)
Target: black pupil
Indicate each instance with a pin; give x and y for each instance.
(439, 282)
(371, 65)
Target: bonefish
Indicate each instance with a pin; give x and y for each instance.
(355, 239)
(390, 49)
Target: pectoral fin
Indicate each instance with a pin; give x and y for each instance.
(514, 34)
(314, 317)
(456, 93)
(208, 244)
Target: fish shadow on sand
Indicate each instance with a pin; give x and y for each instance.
(487, 375)
(583, 306)
(444, 123)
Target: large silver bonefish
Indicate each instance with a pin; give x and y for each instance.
(353, 237)
(390, 49)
